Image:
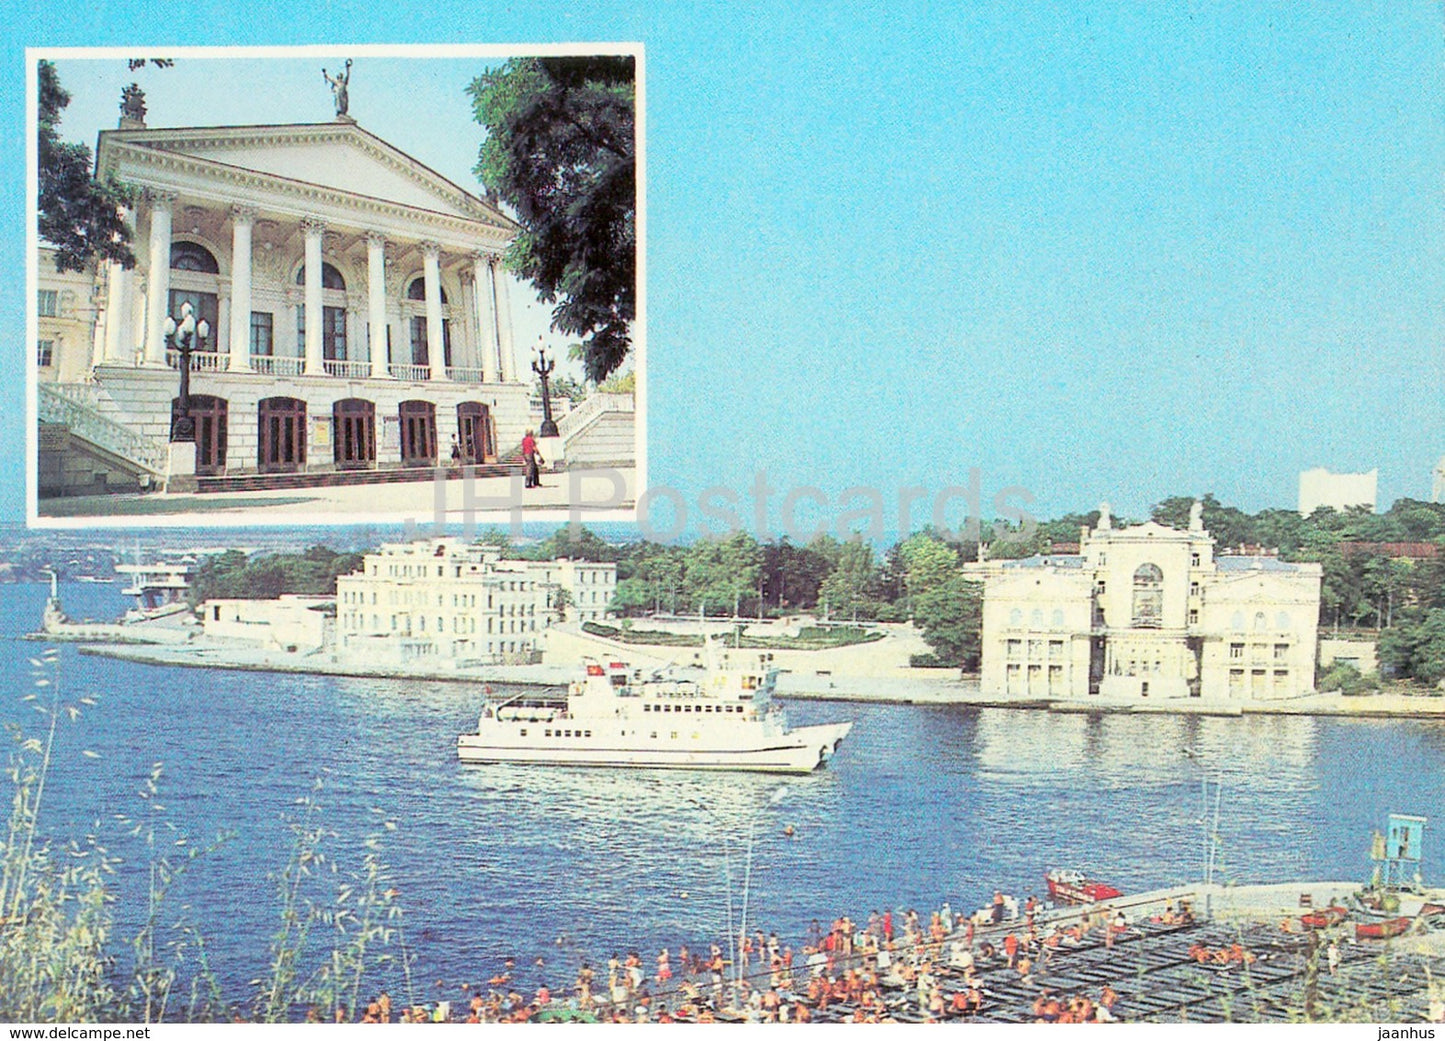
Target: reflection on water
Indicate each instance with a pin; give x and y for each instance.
(922, 804)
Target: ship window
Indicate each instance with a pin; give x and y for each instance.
(674, 735)
(546, 733)
(586, 733)
(524, 731)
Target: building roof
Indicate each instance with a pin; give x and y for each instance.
(1237, 563)
(1060, 560)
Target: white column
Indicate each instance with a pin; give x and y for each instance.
(431, 270)
(158, 277)
(504, 325)
(486, 316)
(239, 349)
(376, 303)
(315, 232)
(117, 306)
(117, 311)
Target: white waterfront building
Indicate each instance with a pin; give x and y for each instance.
(1319, 487)
(1149, 612)
(359, 316)
(450, 599)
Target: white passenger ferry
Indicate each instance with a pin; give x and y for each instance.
(724, 719)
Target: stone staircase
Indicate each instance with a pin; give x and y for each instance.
(602, 431)
(78, 408)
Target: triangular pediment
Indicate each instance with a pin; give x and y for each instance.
(336, 156)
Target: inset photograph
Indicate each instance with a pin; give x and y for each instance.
(333, 287)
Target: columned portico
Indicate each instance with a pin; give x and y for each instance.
(315, 232)
(376, 304)
(381, 249)
(435, 343)
(243, 219)
(158, 279)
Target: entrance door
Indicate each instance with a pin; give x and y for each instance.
(282, 435)
(418, 433)
(354, 420)
(209, 414)
(474, 426)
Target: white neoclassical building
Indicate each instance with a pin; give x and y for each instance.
(1149, 612)
(358, 314)
(451, 599)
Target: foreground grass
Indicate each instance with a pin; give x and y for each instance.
(63, 959)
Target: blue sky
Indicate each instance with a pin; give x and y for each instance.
(1116, 253)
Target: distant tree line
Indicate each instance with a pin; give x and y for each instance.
(233, 575)
(920, 578)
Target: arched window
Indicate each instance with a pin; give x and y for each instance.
(1036, 618)
(192, 256)
(1282, 621)
(1148, 597)
(1015, 618)
(1058, 618)
(330, 277)
(1260, 622)
(1236, 621)
(417, 290)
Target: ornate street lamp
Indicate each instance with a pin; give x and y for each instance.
(185, 336)
(543, 368)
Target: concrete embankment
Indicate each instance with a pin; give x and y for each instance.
(898, 686)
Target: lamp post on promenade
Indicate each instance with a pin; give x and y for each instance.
(543, 368)
(185, 336)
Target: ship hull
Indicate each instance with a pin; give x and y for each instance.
(799, 751)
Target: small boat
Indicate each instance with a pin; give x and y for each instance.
(1324, 917)
(1067, 886)
(1381, 928)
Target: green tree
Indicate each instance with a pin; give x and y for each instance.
(928, 562)
(951, 617)
(852, 582)
(78, 214)
(561, 151)
(1416, 650)
(722, 572)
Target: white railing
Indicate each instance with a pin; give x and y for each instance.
(410, 372)
(590, 409)
(464, 375)
(351, 370)
(85, 422)
(86, 395)
(201, 361)
(271, 365)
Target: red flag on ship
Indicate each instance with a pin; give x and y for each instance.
(594, 670)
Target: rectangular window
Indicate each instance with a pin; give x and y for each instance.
(45, 353)
(1281, 651)
(333, 333)
(1236, 650)
(262, 336)
(1194, 616)
(48, 303)
(1193, 588)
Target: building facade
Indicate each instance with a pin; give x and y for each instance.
(445, 598)
(1148, 612)
(1319, 487)
(357, 312)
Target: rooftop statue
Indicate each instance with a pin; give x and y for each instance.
(338, 87)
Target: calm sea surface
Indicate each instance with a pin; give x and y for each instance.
(922, 805)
